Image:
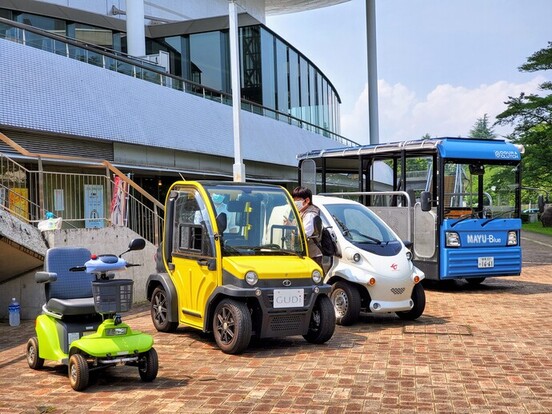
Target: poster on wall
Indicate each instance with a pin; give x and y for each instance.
(59, 200)
(93, 206)
(118, 203)
(18, 203)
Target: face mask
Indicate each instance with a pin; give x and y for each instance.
(299, 204)
(217, 198)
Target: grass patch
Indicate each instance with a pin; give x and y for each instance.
(537, 228)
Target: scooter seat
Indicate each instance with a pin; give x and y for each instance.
(72, 307)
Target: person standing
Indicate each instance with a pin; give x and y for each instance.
(310, 216)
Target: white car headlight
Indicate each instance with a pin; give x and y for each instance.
(512, 238)
(352, 255)
(316, 276)
(251, 278)
(452, 239)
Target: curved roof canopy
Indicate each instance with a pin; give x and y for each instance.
(273, 7)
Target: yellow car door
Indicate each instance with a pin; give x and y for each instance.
(195, 273)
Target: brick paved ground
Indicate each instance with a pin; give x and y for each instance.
(484, 349)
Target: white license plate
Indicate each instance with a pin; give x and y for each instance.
(289, 298)
(484, 262)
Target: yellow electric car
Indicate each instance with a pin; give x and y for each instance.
(235, 263)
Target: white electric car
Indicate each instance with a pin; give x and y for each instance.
(373, 271)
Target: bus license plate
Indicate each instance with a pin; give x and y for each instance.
(289, 298)
(485, 262)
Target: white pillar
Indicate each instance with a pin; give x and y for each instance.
(239, 167)
(136, 33)
(372, 71)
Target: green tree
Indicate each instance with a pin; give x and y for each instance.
(531, 116)
(482, 129)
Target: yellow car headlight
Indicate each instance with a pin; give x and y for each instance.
(251, 278)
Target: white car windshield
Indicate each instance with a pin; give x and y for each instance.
(359, 225)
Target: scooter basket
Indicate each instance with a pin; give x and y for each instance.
(111, 296)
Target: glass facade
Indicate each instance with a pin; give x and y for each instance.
(276, 79)
(274, 75)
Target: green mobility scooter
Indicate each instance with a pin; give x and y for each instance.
(80, 325)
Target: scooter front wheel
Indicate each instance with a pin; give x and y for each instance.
(148, 365)
(78, 372)
(34, 361)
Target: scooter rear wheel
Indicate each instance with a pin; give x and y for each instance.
(78, 372)
(34, 361)
(148, 366)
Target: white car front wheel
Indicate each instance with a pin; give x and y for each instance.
(346, 301)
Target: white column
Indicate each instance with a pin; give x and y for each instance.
(372, 71)
(239, 167)
(136, 34)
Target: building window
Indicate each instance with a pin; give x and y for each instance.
(268, 71)
(209, 60)
(251, 68)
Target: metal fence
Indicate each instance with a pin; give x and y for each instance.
(81, 200)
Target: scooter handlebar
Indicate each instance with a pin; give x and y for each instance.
(104, 263)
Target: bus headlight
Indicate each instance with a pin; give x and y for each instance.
(452, 239)
(316, 276)
(251, 278)
(512, 238)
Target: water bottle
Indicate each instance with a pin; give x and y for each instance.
(14, 310)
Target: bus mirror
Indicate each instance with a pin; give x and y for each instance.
(425, 200)
(477, 169)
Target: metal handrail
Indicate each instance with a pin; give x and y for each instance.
(171, 81)
(40, 183)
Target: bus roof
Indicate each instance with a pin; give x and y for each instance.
(448, 147)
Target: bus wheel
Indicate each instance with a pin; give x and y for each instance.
(418, 297)
(475, 281)
(346, 301)
(232, 326)
(322, 323)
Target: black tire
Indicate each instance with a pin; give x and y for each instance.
(475, 281)
(232, 326)
(322, 323)
(346, 302)
(418, 297)
(78, 372)
(148, 365)
(159, 309)
(34, 361)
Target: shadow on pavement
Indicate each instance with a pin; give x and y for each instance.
(489, 286)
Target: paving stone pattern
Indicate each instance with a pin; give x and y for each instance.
(484, 349)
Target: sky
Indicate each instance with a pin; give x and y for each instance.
(442, 64)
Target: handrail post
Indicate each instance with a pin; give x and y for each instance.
(155, 226)
(108, 192)
(40, 189)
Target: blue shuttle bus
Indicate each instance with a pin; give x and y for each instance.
(458, 200)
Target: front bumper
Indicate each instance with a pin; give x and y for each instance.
(381, 306)
(280, 322)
